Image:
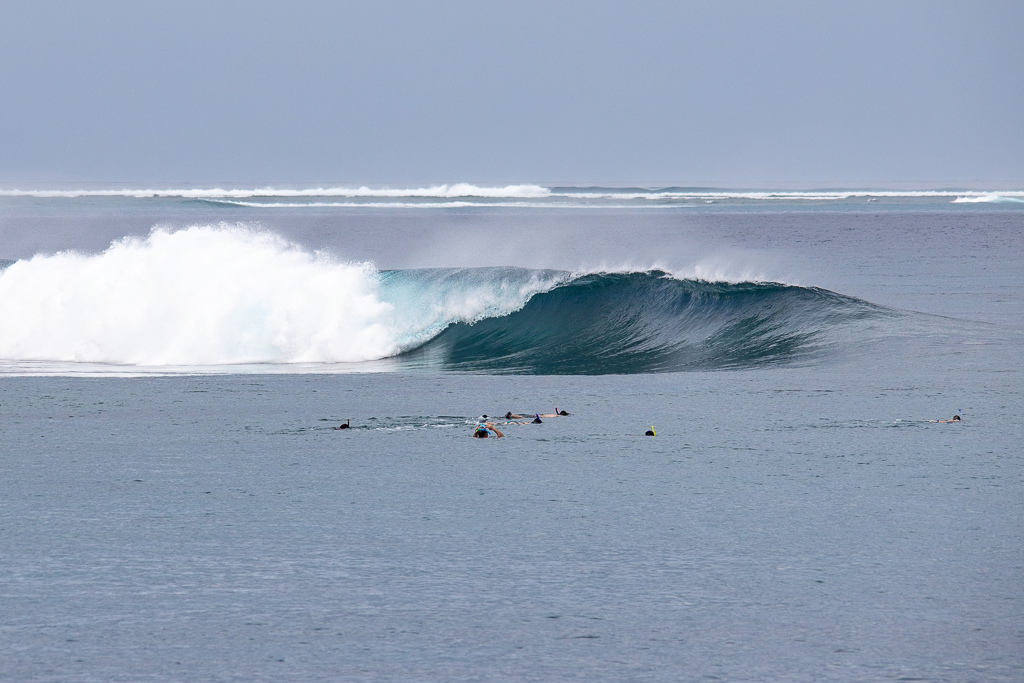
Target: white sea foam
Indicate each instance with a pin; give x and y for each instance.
(990, 197)
(230, 294)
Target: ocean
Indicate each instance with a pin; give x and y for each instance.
(176, 503)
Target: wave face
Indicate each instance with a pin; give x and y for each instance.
(650, 322)
(228, 295)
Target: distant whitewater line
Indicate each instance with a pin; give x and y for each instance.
(521, 193)
(436, 191)
(423, 205)
(207, 297)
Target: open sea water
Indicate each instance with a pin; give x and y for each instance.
(175, 503)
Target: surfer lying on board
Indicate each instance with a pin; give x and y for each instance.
(557, 413)
(483, 430)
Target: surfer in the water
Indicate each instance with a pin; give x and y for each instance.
(558, 413)
(347, 425)
(483, 430)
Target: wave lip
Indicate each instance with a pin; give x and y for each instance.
(624, 323)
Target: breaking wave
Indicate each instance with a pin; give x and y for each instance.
(650, 322)
(990, 198)
(222, 295)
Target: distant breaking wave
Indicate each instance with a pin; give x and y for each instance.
(211, 296)
(990, 198)
(460, 195)
(434, 192)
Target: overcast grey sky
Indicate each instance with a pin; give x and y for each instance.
(772, 94)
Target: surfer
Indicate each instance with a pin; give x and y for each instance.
(557, 413)
(483, 430)
(347, 425)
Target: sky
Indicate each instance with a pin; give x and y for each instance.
(404, 94)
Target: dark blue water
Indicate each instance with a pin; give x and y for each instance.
(797, 517)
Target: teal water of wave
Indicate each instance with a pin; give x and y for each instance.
(622, 323)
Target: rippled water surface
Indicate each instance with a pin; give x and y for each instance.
(804, 520)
